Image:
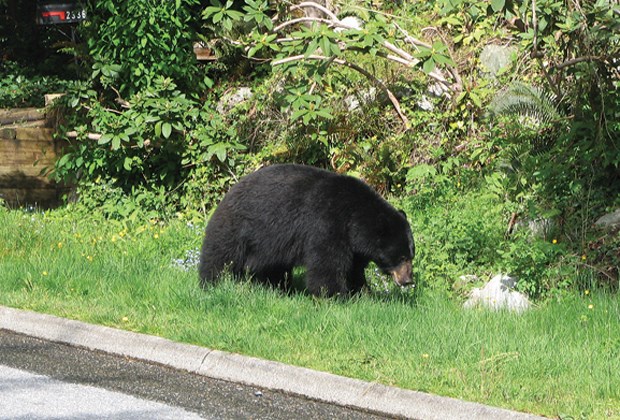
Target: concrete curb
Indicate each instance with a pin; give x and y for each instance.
(249, 370)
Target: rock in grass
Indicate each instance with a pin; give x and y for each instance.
(609, 221)
(499, 294)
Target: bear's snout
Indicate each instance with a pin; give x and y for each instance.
(402, 274)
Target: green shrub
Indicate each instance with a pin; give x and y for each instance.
(457, 233)
(134, 43)
(21, 88)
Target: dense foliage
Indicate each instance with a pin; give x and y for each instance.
(393, 92)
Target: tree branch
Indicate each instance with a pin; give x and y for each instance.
(577, 60)
(408, 38)
(302, 20)
(357, 68)
(90, 136)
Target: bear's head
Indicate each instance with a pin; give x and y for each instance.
(387, 241)
(396, 250)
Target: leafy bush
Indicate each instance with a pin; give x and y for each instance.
(161, 140)
(22, 88)
(456, 233)
(134, 43)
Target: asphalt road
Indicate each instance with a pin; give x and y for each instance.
(40, 379)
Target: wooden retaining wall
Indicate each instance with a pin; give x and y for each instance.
(27, 147)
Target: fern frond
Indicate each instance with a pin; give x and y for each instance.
(525, 100)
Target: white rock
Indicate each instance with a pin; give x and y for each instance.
(362, 98)
(232, 99)
(498, 294)
(352, 22)
(425, 104)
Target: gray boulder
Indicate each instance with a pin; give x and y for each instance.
(496, 57)
(609, 221)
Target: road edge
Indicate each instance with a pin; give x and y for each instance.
(251, 371)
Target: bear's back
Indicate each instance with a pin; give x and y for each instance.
(293, 182)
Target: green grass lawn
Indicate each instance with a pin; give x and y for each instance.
(560, 359)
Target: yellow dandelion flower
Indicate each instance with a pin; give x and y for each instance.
(113, 238)
(590, 306)
(59, 245)
(586, 292)
(425, 356)
(555, 241)
(125, 319)
(583, 258)
(89, 258)
(44, 273)
(156, 235)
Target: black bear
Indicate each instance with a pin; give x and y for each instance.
(286, 216)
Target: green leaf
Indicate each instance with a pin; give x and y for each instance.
(420, 172)
(497, 5)
(297, 114)
(325, 113)
(63, 160)
(116, 142)
(127, 163)
(443, 59)
(254, 50)
(475, 99)
(104, 139)
(166, 130)
(219, 150)
(428, 66)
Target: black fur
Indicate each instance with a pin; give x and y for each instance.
(286, 216)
